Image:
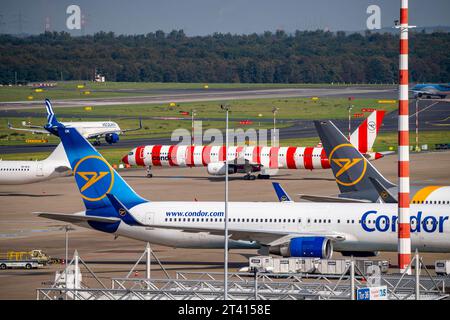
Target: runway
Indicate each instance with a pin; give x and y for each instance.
(23, 231)
(178, 96)
(433, 115)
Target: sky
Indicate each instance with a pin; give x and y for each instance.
(202, 17)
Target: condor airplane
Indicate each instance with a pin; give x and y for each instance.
(297, 229)
(109, 130)
(22, 172)
(356, 184)
(255, 158)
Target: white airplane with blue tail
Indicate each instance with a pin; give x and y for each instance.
(286, 228)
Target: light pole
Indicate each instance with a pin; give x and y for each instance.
(350, 107)
(274, 111)
(417, 124)
(66, 229)
(192, 119)
(225, 281)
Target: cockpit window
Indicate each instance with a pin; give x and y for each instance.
(131, 153)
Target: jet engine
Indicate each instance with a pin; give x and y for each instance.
(112, 138)
(218, 168)
(311, 247)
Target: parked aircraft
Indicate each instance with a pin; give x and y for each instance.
(429, 90)
(109, 130)
(359, 181)
(252, 159)
(289, 228)
(21, 172)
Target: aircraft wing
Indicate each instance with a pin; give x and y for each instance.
(133, 129)
(273, 238)
(33, 129)
(73, 218)
(315, 198)
(266, 237)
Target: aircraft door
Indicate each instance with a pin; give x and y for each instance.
(40, 169)
(150, 218)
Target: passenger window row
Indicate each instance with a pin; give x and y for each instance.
(431, 202)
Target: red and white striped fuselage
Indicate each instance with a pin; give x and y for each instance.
(198, 156)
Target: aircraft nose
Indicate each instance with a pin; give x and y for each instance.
(125, 159)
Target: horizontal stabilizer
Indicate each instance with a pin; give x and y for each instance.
(314, 198)
(384, 193)
(73, 218)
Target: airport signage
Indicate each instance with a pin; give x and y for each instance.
(36, 141)
(387, 101)
(372, 293)
(358, 115)
(368, 109)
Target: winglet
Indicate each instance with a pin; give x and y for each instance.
(384, 193)
(122, 211)
(281, 194)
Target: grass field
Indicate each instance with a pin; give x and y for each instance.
(383, 142)
(289, 108)
(69, 89)
(260, 110)
(151, 128)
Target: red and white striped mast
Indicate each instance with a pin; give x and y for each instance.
(404, 227)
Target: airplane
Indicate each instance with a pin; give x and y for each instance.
(251, 159)
(430, 90)
(22, 172)
(298, 229)
(359, 181)
(109, 130)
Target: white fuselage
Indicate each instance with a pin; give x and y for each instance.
(92, 128)
(363, 232)
(22, 172)
(365, 227)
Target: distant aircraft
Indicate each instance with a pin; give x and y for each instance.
(359, 181)
(252, 159)
(109, 130)
(21, 172)
(430, 90)
(289, 228)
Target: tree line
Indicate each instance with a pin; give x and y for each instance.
(270, 57)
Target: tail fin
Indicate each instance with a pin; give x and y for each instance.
(350, 168)
(51, 118)
(94, 176)
(59, 155)
(364, 136)
(52, 122)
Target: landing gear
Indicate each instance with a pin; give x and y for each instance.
(249, 177)
(149, 172)
(97, 142)
(263, 176)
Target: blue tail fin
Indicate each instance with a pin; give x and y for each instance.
(94, 176)
(51, 118)
(52, 122)
(281, 194)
